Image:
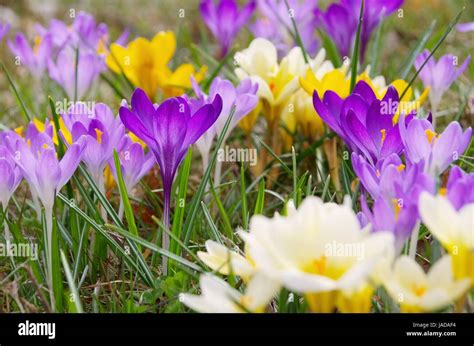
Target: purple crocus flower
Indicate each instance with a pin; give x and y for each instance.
(10, 176)
(102, 132)
(46, 175)
(398, 216)
(395, 190)
(274, 23)
(168, 130)
(465, 27)
(4, 28)
(362, 121)
(391, 177)
(34, 58)
(439, 76)
(225, 20)
(243, 97)
(460, 187)
(63, 71)
(437, 151)
(340, 22)
(134, 163)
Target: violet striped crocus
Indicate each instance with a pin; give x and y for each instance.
(340, 21)
(225, 20)
(437, 151)
(364, 123)
(243, 97)
(168, 130)
(35, 58)
(64, 72)
(46, 175)
(103, 133)
(439, 76)
(4, 28)
(274, 22)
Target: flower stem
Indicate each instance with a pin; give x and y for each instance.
(165, 244)
(48, 214)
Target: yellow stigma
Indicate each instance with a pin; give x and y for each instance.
(19, 131)
(397, 207)
(101, 48)
(401, 167)
(37, 44)
(45, 146)
(419, 290)
(320, 265)
(28, 143)
(384, 134)
(442, 191)
(430, 135)
(99, 134)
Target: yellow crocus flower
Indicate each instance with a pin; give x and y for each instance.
(145, 62)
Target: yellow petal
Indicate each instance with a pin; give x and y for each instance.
(164, 47)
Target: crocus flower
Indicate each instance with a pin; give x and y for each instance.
(102, 132)
(134, 163)
(35, 58)
(453, 228)
(218, 297)
(168, 130)
(340, 22)
(225, 20)
(416, 291)
(226, 261)
(145, 62)
(46, 175)
(437, 151)
(365, 123)
(243, 97)
(4, 28)
(274, 22)
(439, 76)
(459, 189)
(465, 27)
(64, 72)
(303, 252)
(10, 176)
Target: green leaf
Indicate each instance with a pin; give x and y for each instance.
(355, 53)
(243, 197)
(132, 226)
(74, 295)
(260, 202)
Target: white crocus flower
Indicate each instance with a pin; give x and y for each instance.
(453, 228)
(416, 291)
(225, 261)
(319, 250)
(276, 81)
(218, 297)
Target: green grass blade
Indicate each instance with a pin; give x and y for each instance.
(406, 65)
(355, 53)
(17, 94)
(194, 206)
(243, 197)
(438, 44)
(260, 202)
(72, 286)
